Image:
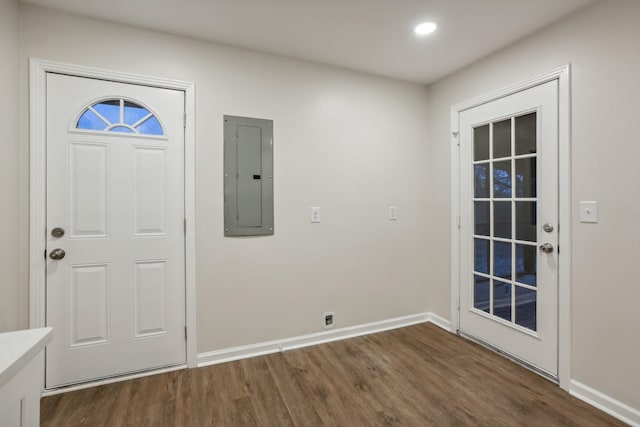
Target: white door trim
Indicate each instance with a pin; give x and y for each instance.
(37, 199)
(562, 75)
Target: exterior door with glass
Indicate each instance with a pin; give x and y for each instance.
(509, 225)
(115, 290)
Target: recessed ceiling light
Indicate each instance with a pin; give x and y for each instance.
(425, 28)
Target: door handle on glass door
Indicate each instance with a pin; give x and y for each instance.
(546, 248)
(57, 253)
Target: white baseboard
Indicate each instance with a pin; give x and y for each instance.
(605, 403)
(440, 321)
(251, 350)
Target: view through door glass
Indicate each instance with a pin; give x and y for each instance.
(504, 199)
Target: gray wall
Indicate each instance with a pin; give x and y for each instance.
(348, 142)
(13, 293)
(602, 43)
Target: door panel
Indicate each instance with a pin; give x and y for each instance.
(115, 184)
(249, 147)
(509, 189)
(149, 197)
(89, 168)
(89, 304)
(151, 298)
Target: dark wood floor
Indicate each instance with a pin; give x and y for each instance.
(414, 376)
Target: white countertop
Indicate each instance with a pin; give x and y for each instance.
(18, 348)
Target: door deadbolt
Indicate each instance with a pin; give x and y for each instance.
(57, 232)
(547, 227)
(57, 254)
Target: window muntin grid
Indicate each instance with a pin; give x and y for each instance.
(505, 217)
(121, 116)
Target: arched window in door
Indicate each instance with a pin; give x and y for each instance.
(120, 115)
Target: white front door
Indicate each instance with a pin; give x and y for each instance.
(509, 225)
(115, 206)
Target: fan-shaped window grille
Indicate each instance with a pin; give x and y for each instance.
(119, 115)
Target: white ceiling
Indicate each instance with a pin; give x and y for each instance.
(374, 36)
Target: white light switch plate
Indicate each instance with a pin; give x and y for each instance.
(588, 211)
(315, 214)
(393, 213)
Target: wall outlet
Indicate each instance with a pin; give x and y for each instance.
(327, 319)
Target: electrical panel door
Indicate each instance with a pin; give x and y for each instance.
(248, 176)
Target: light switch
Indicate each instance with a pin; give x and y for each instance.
(315, 214)
(588, 211)
(393, 213)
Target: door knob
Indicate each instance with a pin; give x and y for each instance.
(547, 248)
(57, 253)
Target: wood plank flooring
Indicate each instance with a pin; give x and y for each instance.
(414, 376)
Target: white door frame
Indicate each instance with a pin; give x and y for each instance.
(37, 146)
(562, 75)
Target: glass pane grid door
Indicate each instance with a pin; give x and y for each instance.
(505, 220)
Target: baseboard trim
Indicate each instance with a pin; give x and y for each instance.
(269, 347)
(608, 404)
(440, 321)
